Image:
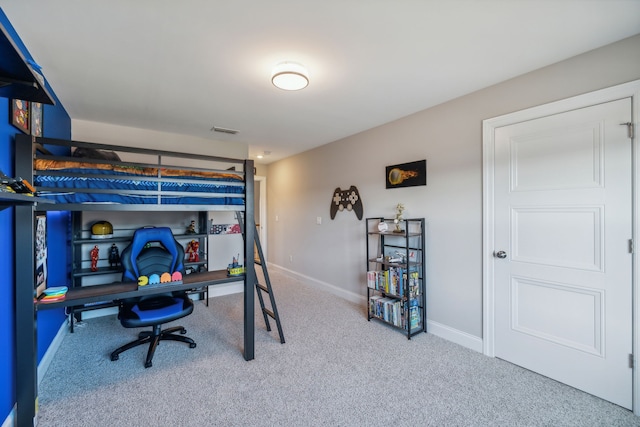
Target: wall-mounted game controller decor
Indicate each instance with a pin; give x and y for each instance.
(406, 174)
(346, 199)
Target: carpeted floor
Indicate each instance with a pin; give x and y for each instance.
(336, 369)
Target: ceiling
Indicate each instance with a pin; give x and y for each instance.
(186, 66)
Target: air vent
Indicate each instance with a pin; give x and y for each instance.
(224, 130)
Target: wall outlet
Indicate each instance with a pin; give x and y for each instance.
(319, 220)
(290, 258)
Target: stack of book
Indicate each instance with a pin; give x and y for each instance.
(393, 281)
(56, 293)
(387, 309)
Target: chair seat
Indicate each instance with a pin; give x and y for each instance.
(149, 312)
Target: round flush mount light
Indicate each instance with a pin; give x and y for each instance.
(290, 76)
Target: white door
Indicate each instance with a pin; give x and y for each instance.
(563, 221)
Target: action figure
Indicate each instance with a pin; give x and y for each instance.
(114, 256)
(191, 229)
(94, 258)
(192, 251)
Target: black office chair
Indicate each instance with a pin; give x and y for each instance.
(153, 250)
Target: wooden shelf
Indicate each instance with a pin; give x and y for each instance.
(114, 291)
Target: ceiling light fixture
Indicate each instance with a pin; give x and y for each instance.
(290, 76)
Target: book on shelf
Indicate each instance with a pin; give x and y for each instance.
(414, 284)
(374, 305)
(393, 281)
(414, 317)
(386, 308)
(372, 278)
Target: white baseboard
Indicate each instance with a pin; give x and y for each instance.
(454, 335)
(51, 351)
(226, 289)
(10, 421)
(450, 334)
(100, 312)
(349, 296)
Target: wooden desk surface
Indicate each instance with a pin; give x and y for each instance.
(114, 291)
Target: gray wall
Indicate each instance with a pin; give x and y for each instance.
(449, 136)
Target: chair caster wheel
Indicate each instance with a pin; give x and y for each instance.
(183, 331)
(148, 364)
(193, 345)
(114, 357)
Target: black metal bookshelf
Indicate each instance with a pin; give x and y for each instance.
(396, 274)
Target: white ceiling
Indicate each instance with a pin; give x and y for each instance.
(185, 66)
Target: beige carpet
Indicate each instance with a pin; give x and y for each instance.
(336, 369)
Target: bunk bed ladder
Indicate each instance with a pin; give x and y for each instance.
(266, 287)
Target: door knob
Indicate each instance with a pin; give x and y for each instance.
(501, 254)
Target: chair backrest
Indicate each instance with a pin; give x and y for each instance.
(139, 260)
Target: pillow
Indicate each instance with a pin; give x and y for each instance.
(93, 153)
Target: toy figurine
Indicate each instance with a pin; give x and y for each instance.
(399, 218)
(235, 269)
(192, 251)
(191, 229)
(114, 256)
(94, 258)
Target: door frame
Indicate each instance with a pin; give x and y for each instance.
(262, 214)
(626, 90)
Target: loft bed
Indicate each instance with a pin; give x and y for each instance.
(161, 181)
(105, 177)
(81, 176)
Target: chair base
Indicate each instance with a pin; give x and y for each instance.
(153, 338)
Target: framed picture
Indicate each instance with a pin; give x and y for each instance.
(406, 174)
(20, 115)
(41, 253)
(35, 112)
